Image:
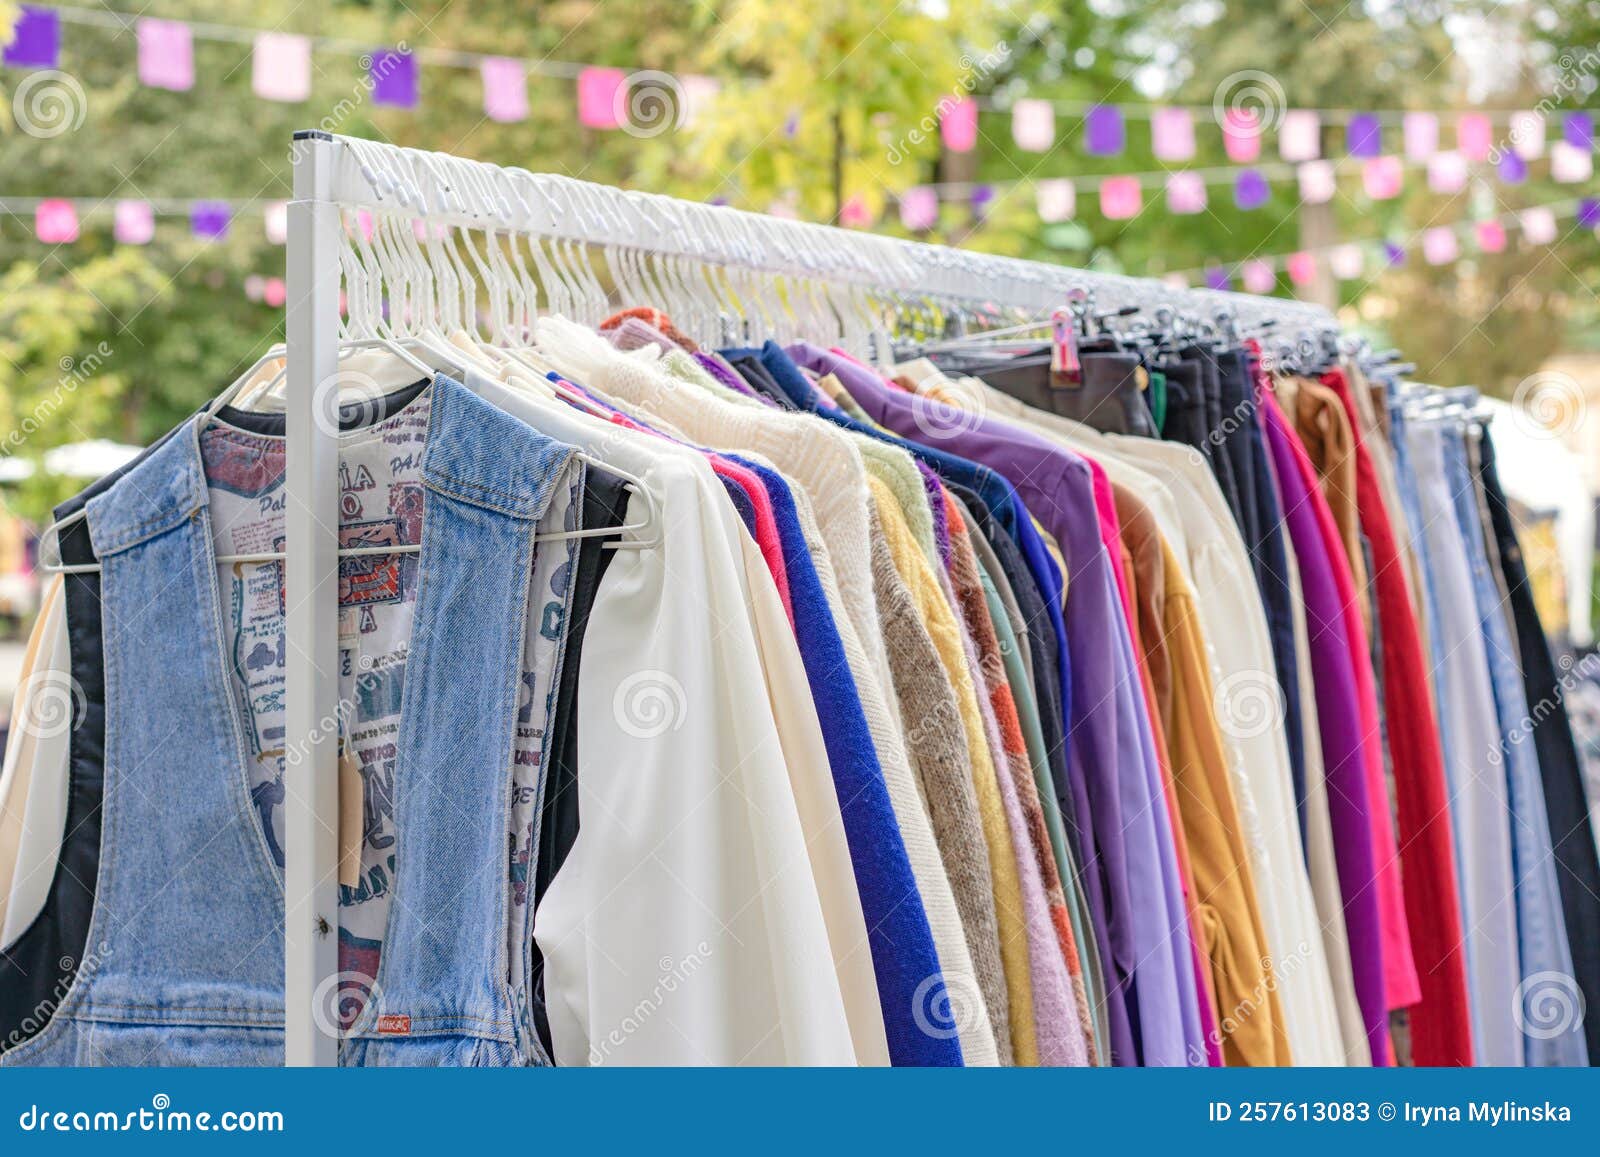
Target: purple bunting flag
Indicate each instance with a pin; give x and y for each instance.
(1103, 133)
(35, 40)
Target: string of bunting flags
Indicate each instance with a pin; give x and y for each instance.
(606, 97)
(1438, 244)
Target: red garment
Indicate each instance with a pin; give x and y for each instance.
(1441, 1026)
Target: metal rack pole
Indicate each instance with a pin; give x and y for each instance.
(311, 796)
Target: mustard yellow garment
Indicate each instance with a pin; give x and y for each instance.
(941, 624)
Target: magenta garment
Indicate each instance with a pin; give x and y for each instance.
(1339, 716)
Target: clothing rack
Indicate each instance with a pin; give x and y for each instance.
(333, 175)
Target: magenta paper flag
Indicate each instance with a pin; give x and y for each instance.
(1172, 134)
(598, 92)
(1258, 277)
(1346, 262)
(698, 94)
(280, 67)
(1527, 135)
(1491, 236)
(1317, 182)
(1302, 267)
(919, 208)
(1382, 177)
(1241, 135)
(1186, 193)
(854, 214)
(1538, 226)
(274, 292)
(1421, 132)
(1447, 172)
(1103, 132)
(1033, 125)
(166, 55)
(958, 124)
(56, 222)
(1120, 198)
(1300, 136)
(1569, 164)
(133, 222)
(1439, 246)
(275, 220)
(505, 89)
(1057, 200)
(1474, 136)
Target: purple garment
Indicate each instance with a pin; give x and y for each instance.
(1116, 779)
(941, 521)
(1339, 725)
(720, 370)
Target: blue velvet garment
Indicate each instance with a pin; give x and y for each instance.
(910, 983)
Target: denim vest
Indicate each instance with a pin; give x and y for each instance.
(184, 961)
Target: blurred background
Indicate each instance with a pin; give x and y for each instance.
(144, 162)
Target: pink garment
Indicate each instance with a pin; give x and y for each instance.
(1400, 985)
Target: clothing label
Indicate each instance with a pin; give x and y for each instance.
(392, 1025)
(351, 800)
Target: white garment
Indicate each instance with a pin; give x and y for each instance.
(822, 465)
(685, 926)
(1475, 772)
(34, 784)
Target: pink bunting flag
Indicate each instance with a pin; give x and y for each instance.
(854, 214)
(1569, 164)
(1527, 135)
(1258, 277)
(275, 220)
(1538, 226)
(1241, 135)
(280, 67)
(1474, 136)
(274, 292)
(1120, 198)
(919, 208)
(1491, 236)
(1346, 262)
(1033, 125)
(1172, 134)
(1300, 136)
(1175, 280)
(253, 286)
(958, 124)
(1439, 246)
(1317, 183)
(1056, 200)
(56, 222)
(598, 90)
(1382, 177)
(1186, 192)
(1421, 132)
(505, 89)
(1302, 267)
(166, 54)
(1447, 172)
(133, 222)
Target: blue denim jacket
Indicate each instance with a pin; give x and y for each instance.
(184, 964)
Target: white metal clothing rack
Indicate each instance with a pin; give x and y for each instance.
(335, 174)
